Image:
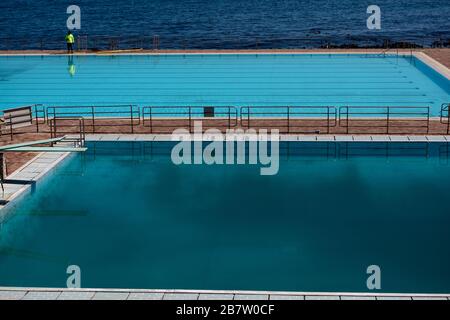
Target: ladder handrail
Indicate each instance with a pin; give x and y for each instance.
(445, 107)
(52, 123)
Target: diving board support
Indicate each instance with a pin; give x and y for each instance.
(2, 172)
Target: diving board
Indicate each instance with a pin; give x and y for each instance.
(31, 146)
(30, 143)
(46, 149)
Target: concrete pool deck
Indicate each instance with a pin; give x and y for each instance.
(290, 137)
(8, 293)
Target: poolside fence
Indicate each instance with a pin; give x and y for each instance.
(155, 42)
(60, 120)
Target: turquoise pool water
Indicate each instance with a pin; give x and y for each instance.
(221, 80)
(130, 218)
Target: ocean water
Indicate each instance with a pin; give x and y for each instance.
(227, 23)
(332, 210)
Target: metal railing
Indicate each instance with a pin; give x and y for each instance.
(287, 119)
(153, 42)
(162, 119)
(68, 125)
(290, 119)
(100, 118)
(445, 116)
(384, 119)
(15, 121)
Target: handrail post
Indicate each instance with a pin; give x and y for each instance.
(131, 118)
(54, 127)
(448, 118)
(388, 118)
(81, 130)
(229, 117)
(93, 119)
(50, 127)
(346, 113)
(328, 119)
(348, 119)
(190, 129)
(11, 127)
(240, 116)
(37, 118)
(151, 119)
(428, 120)
(288, 119)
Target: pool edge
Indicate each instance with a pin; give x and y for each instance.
(19, 293)
(433, 64)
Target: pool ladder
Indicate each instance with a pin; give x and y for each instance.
(77, 139)
(445, 116)
(383, 53)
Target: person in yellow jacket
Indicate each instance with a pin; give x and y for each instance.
(70, 40)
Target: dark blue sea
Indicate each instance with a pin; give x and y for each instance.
(204, 24)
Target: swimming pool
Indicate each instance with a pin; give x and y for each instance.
(131, 219)
(222, 80)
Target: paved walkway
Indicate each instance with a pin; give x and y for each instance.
(100, 294)
(291, 137)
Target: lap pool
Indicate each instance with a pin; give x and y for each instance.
(130, 218)
(222, 80)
